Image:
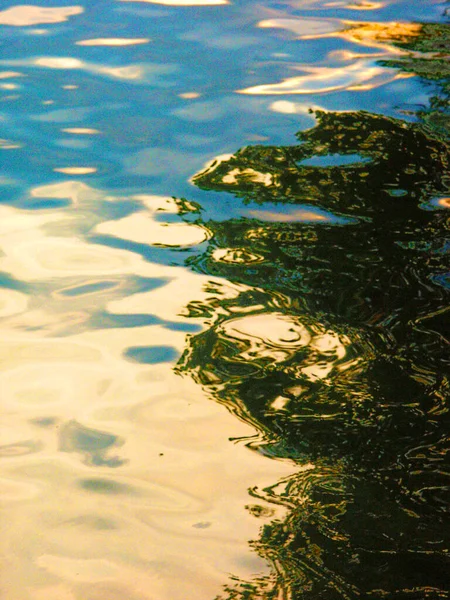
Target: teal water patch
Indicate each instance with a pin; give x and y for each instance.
(152, 355)
(334, 160)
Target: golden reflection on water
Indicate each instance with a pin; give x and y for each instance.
(101, 449)
(360, 74)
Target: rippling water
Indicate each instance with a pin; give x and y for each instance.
(224, 300)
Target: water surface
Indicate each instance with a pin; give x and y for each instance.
(224, 300)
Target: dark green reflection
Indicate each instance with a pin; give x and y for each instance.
(337, 351)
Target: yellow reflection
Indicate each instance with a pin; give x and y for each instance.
(278, 337)
(81, 130)
(237, 256)
(247, 174)
(141, 227)
(444, 202)
(75, 170)
(381, 34)
(35, 15)
(326, 79)
(113, 42)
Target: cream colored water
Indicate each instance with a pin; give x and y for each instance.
(169, 520)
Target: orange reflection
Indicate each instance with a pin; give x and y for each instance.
(19, 16)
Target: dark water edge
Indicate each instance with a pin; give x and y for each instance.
(358, 387)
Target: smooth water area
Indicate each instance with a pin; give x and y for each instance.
(224, 300)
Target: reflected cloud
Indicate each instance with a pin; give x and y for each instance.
(362, 75)
(9, 145)
(130, 72)
(144, 72)
(75, 191)
(294, 108)
(59, 63)
(75, 170)
(81, 130)
(113, 42)
(304, 27)
(189, 95)
(142, 227)
(10, 74)
(25, 15)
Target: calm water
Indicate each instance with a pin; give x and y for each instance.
(224, 300)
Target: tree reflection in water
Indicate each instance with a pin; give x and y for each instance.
(336, 350)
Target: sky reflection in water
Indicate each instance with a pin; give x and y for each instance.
(199, 340)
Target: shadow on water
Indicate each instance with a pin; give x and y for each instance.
(337, 347)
